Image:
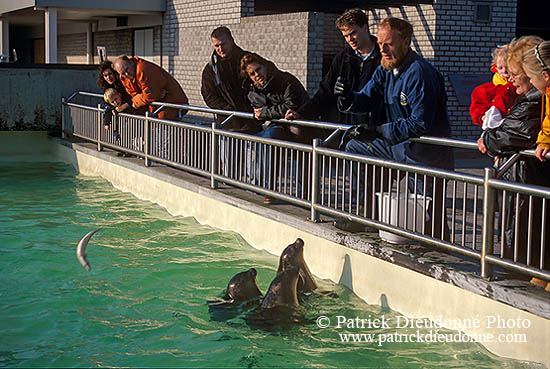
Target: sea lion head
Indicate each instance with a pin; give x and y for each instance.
(243, 287)
(292, 255)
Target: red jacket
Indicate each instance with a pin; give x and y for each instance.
(150, 84)
(498, 93)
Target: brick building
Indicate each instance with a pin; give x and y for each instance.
(457, 36)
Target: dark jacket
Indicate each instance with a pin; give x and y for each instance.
(282, 92)
(355, 72)
(519, 131)
(222, 88)
(415, 104)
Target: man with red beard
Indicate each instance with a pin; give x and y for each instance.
(413, 94)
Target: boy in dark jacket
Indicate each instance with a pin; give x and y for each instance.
(354, 65)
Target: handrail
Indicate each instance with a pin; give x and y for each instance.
(443, 141)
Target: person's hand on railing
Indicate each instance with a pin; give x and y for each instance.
(257, 113)
(541, 151)
(121, 108)
(361, 132)
(481, 146)
(291, 115)
(344, 93)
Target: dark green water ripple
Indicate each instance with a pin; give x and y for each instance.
(143, 303)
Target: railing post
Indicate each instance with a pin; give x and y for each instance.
(98, 127)
(213, 156)
(146, 143)
(63, 118)
(314, 190)
(488, 223)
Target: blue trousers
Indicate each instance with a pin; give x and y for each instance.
(382, 150)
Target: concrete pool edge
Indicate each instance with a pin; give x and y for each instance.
(337, 256)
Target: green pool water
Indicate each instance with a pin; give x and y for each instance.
(144, 302)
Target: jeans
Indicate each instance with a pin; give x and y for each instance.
(434, 187)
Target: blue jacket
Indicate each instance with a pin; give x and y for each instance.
(415, 104)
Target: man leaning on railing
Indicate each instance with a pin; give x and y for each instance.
(413, 95)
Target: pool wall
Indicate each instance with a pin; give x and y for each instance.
(377, 281)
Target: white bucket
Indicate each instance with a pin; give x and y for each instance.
(384, 214)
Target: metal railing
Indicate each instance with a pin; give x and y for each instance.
(480, 217)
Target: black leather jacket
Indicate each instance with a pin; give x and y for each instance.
(355, 72)
(519, 131)
(282, 92)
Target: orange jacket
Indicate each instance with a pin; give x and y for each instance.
(148, 86)
(544, 134)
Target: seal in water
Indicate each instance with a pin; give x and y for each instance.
(293, 255)
(243, 287)
(282, 290)
(242, 293)
(81, 249)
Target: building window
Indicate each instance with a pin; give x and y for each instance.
(482, 12)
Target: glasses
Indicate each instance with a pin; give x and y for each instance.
(514, 75)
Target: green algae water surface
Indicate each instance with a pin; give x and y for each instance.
(143, 304)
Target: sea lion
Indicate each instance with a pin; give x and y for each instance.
(242, 293)
(243, 287)
(293, 255)
(81, 250)
(283, 289)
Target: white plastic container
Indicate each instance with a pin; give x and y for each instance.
(384, 214)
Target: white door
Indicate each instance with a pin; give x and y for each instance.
(143, 43)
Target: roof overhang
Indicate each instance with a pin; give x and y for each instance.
(7, 6)
(329, 6)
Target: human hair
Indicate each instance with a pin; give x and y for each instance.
(102, 83)
(109, 94)
(352, 17)
(220, 31)
(518, 47)
(537, 59)
(251, 58)
(402, 27)
(501, 51)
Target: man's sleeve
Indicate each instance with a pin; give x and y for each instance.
(151, 83)
(324, 96)
(211, 93)
(370, 96)
(423, 96)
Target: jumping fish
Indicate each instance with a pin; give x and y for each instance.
(81, 249)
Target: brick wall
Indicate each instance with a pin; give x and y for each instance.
(71, 49)
(333, 40)
(447, 35)
(281, 38)
(116, 43)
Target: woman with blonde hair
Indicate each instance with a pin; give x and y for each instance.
(517, 132)
(536, 62)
